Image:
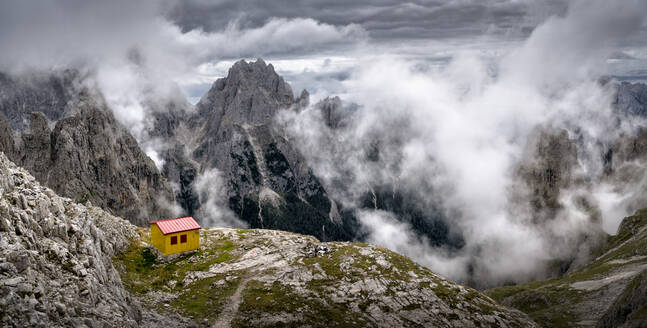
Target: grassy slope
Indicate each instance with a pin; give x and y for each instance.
(553, 303)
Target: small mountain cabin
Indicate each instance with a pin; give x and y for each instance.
(175, 235)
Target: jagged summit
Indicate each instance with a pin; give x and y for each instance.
(251, 93)
(268, 183)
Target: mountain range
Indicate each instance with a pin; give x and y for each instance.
(60, 128)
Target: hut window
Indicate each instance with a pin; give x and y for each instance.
(173, 240)
(182, 239)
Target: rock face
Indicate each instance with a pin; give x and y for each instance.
(609, 292)
(87, 155)
(547, 169)
(55, 259)
(268, 183)
(331, 110)
(266, 278)
(632, 98)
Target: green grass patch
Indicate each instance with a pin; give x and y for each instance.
(276, 298)
(141, 272)
(205, 298)
(226, 245)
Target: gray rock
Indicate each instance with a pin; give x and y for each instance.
(13, 282)
(6, 267)
(546, 169)
(631, 98)
(332, 112)
(43, 289)
(626, 310)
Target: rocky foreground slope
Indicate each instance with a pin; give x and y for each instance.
(610, 292)
(55, 259)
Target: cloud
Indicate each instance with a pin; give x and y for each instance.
(136, 57)
(454, 137)
(384, 19)
(214, 212)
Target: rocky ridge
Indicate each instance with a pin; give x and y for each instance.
(631, 98)
(52, 93)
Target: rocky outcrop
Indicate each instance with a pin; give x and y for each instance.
(609, 292)
(89, 156)
(7, 143)
(266, 278)
(630, 309)
(55, 258)
(331, 110)
(546, 169)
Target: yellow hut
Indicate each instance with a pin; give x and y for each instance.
(175, 235)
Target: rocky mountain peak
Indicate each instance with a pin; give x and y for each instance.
(251, 93)
(38, 123)
(304, 99)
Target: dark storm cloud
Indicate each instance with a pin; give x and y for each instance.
(384, 19)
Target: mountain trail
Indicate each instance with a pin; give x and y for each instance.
(229, 312)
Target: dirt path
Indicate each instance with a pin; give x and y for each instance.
(230, 310)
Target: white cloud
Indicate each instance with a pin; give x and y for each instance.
(455, 135)
(214, 212)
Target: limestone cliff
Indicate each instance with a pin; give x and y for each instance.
(81, 151)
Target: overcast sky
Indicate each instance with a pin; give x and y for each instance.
(314, 44)
(431, 31)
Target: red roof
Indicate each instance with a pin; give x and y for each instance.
(177, 225)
